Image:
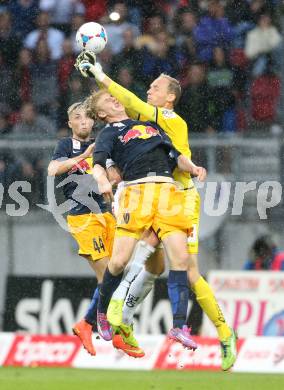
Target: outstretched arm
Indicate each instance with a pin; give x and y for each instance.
(128, 99)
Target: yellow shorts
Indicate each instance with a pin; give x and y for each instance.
(94, 234)
(161, 206)
(193, 198)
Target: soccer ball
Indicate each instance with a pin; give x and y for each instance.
(91, 36)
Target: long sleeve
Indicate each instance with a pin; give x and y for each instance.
(131, 102)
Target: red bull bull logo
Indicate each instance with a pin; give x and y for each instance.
(139, 131)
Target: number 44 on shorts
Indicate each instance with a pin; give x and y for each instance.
(98, 245)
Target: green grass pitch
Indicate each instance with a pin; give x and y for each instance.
(12, 378)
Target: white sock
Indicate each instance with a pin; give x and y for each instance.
(141, 254)
(137, 292)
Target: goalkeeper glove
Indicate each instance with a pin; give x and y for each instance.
(88, 70)
(88, 67)
(90, 56)
(86, 55)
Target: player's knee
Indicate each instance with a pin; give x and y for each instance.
(118, 263)
(180, 262)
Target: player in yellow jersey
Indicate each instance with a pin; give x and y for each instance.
(163, 94)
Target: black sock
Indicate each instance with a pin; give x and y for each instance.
(108, 287)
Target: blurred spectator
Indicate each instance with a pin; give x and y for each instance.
(125, 77)
(262, 40)
(95, 9)
(166, 55)
(239, 65)
(169, 7)
(194, 105)
(239, 14)
(44, 31)
(10, 170)
(265, 94)
(7, 85)
(220, 82)
(205, 30)
(154, 24)
(185, 23)
(147, 8)
(77, 90)
(65, 65)
(44, 81)
(23, 76)
(258, 7)
(163, 58)
(135, 13)
(33, 124)
(63, 131)
(116, 27)
(212, 31)
(76, 22)
(238, 11)
(108, 60)
(265, 255)
(24, 13)
(5, 126)
(61, 12)
(10, 44)
(129, 55)
(187, 53)
(65, 71)
(31, 168)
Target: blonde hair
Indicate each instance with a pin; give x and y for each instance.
(74, 107)
(92, 103)
(173, 87)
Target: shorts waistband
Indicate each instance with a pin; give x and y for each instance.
(148, 182)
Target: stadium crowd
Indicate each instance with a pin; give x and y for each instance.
(225, 54)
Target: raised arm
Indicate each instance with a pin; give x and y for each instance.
(91, 68)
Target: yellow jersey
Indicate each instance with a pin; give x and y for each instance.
(173, 125)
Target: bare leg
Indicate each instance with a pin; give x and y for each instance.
(99, 266)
